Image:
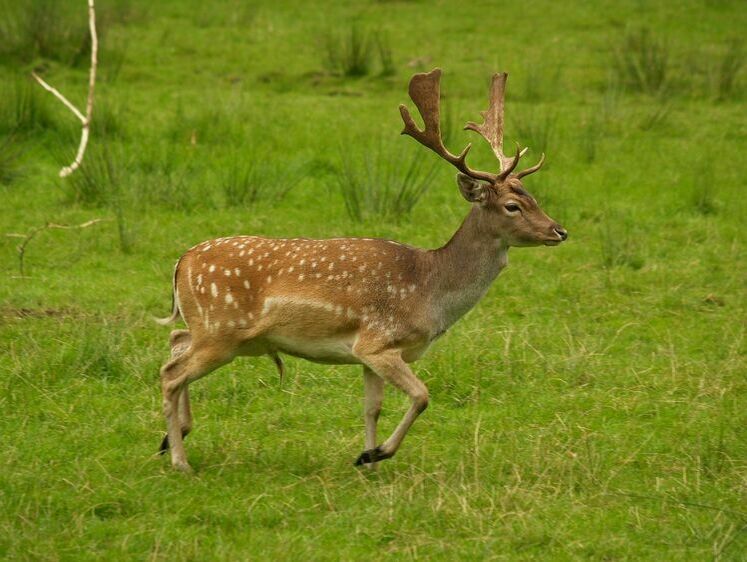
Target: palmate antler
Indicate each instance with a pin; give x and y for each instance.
(425, 92)
(492, 128)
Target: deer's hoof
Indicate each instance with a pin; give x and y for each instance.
(164, 445)
(372, 455)
(183, 467)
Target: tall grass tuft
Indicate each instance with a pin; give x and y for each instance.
(703, 188)
(94, 182)
(352, 53)
(643, 62)
(108, 120)
(725, 73)
(99, 182)
(23, 106)
(11, 167)
(386, 58)
(42, 28)
(54, 30)
(247, 179)
(349, 54)
(382, 182)
(171, 177)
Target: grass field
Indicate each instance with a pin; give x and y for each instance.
(592, 406)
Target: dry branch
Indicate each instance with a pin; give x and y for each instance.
(84, 119)
(48, 226)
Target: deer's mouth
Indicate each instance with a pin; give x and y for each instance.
(560, 233)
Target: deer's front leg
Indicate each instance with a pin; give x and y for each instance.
(390, 366)
(373, 386)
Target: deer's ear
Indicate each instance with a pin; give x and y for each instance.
(472, 190)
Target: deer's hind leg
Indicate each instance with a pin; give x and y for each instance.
(179, 341)
(196, 361)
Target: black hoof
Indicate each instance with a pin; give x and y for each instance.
(164, 445)
(372, 455)
(165, 442)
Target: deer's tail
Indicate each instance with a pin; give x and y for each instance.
(175, 312)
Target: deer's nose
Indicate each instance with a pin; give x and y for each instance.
(560, 231)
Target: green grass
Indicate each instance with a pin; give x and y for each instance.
(592, 406)
(380, 180)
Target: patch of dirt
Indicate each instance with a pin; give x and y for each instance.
(23, 313)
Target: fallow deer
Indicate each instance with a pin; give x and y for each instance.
(372, 302)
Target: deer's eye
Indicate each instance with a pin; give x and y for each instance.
(512, 207)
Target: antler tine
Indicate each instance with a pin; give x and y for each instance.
(425, 92)
(533, 169)
(512, 162)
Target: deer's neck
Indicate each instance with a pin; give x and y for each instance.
(464, 268)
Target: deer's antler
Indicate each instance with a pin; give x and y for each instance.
(492, 128)
(533, 169)
(425, 92)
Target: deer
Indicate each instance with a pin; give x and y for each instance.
(360, 301)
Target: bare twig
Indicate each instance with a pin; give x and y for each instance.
(84, 119)
(26, 238)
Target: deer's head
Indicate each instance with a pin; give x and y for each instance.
(505, 209)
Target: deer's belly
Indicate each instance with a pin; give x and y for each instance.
(338, 350)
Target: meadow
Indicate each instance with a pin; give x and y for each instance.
(592, 406)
